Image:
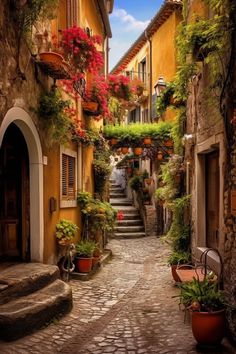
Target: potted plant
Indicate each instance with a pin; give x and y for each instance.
(84, 255)
(207, 305)
(136, 183)
(120, 87)
(96, 97)
(79, 50)
(177, 258)
(65, 231)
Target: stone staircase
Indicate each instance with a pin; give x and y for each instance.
(31, 294)
(132, 225)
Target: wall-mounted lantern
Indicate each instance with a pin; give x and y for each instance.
(159, 86)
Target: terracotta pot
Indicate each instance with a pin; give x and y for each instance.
(90, 106)
(168, 142)
(159, 156)
(113, 141)
(51, 57)
(148, 181)
(147, 141)
(124, 150)
(208, 327)
(83, 265)
(138, 151)
(174, 273)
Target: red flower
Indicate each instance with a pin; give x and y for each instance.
(120, 215)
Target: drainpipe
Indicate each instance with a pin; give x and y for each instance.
(150, 77)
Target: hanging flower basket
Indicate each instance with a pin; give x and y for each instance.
(147, 141)
(138, 151)
(168, 142)
(52, 58)
(113, 141)
(148, 181)
(125, 150)
(90, 106)
(159, 156)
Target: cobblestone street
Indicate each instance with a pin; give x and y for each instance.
(126, 308)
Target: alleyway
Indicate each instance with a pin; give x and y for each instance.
(126, 308)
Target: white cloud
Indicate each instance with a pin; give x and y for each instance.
(131, 22)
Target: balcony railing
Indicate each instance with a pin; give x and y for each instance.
(142, 75)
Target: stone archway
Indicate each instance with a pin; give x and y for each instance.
(23, 121)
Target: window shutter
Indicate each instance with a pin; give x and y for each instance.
(71, 176)
(64, 175)
(68, 177)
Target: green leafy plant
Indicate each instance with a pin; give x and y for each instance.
(101, 215)
(55, 116)
(132, 135)
(202, 295)
(66, 230)
(136, 183)
(85, 248)
(179, 258)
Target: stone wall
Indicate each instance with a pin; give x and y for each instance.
(20, 80)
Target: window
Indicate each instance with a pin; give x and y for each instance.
(68, 178)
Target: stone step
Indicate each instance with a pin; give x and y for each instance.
(127, 209)
(25, 278)
(131, 222)
(129, 229)
(121, 202)
(112, 181)
(117, 195)
(23, 315)
(132, 217)
(115, 186)
(129, 235)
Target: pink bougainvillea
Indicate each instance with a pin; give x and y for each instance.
(97, 91)
(79, 50)
(119, 87)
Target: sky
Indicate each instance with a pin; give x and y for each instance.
(128, 21)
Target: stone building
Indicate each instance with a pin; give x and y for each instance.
(33, 170)
(210, 148)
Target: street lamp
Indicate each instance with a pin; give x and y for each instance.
(159, 86)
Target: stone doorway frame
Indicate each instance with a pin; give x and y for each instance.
(215, 142)
(24, 122)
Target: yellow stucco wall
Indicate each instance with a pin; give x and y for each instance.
(51, 175)
(199, 8)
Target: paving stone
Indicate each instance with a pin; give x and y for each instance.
(125, 308)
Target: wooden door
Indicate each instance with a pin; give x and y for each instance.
(14, 192)
(212, 199)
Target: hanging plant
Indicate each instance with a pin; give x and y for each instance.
(97, 91)
(119, 86)
(56, 115)
(79, 50)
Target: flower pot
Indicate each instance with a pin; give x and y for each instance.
(159, 156)
(90, 106)
(147, 141)
(113, 141)
(208, 327)
(138, 151)
(168, 142)
(52, 58)
(148, 181)
(84, 265)
(124, 150)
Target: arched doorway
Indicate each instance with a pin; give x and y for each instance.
(14, 196)
(19, 119)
